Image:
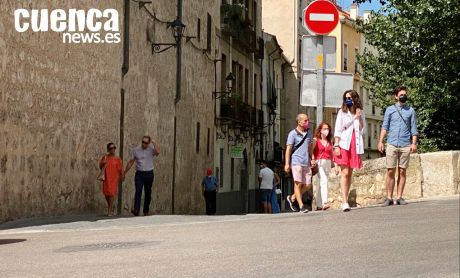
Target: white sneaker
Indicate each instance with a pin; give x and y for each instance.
(345, 207)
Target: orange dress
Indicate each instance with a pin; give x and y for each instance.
(113, 170)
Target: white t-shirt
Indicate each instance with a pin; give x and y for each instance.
(267, 176)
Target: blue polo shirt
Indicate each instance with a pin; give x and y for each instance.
(399, 135)
(300, 156)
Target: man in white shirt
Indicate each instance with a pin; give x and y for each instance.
(266, 177)
(143, 156)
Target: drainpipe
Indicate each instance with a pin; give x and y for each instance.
(124, 71)
(294, 35)
(178, 97)
(178, 56)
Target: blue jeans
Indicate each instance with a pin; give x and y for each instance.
(143, 179)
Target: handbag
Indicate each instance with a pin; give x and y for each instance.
(314, 170)
(101, 176)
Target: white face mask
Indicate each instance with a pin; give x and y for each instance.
(325, 132)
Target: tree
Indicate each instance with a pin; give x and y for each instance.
(417, 44)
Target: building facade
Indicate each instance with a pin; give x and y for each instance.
(284, 19)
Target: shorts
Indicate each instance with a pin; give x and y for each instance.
(397, 157)
(265, 195)
(301, 174)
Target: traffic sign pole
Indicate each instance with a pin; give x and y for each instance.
(320, 83)
(320, 17)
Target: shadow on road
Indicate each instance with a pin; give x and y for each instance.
(42, 221)
(10, 241)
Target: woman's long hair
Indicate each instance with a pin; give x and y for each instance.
(356, 101)
(318, 131)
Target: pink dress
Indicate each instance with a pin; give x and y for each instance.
(349, 158)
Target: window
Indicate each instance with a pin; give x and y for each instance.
(254, 89)
(246, 8)
(221, 165)
(373, 109)
(209, 33)
(223, 73)
(239, 81)
(232, 173)
(208, 142)
(356, 61)
(246, 86)
(345, 57)
(254, 15)
(198, 29)
(375, 132)
(197, 137)
(369, 143)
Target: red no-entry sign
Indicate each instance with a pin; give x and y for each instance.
(321, 17)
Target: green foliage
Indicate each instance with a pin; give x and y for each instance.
(233, 15)
(417, 44)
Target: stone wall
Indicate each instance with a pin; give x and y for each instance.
(60, 104)
(59, 107)
(428, 175)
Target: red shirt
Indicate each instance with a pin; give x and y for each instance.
(321, 151)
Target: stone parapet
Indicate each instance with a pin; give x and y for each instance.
(428, 175)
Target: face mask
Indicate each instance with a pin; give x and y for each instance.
(349, 102)
(306, 125)
(325, 132)
(402, 98)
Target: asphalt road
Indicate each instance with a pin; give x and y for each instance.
(417, 240)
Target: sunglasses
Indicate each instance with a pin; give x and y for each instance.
(143, 142)
(349, 98)
(113, 148)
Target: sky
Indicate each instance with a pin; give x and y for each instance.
(374, 5)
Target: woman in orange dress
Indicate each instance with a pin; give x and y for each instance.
(112, 166)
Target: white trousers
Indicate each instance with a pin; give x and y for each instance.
(324, 168)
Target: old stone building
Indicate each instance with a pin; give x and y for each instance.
(284, 19)
(61, 103)
(239, 119)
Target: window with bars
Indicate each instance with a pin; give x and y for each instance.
(345, 57)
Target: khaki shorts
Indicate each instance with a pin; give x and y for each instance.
(397, 156)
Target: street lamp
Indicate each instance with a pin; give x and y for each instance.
(229, 82)
(177, 28)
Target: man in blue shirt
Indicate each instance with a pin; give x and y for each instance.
(210, 189)
(400, 124)
(298, 162)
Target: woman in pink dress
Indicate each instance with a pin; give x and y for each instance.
(112, 166)
(349, 144)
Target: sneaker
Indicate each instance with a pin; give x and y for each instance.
(345, 207)
(401, 201)
(291, 204)
(388, 202)
(303, 209)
